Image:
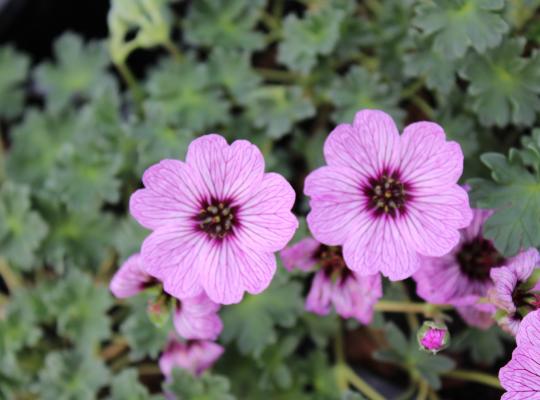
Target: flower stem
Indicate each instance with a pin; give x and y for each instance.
(474, 376)
(409, 307)
(132, 84)
(362, 385)
(423, 390)
(11, 279)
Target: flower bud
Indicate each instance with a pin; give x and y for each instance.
(433, 337)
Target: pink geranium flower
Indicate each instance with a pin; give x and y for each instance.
(388, 199)
(217, 220)
(521, 376)
(130, 278)
(334, 284)
(194, 318)
(195, 356)
(462, 276)
(512, 292)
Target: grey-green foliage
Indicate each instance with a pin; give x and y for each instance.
(77, 134)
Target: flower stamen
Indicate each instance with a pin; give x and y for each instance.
(216, 218)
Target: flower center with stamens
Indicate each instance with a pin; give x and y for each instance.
(331, 260)
(477, 257)
(387, 194)
(216, 218)
(525, 299)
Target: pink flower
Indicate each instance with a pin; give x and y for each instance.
(195, 356)
(194, 318)
(217, 220)
(334, 284)
(130, 278)
(197, 318)
(462, 276)
(388, 199)
(512, 293)
(521, 376)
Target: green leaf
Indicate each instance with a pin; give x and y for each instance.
(432, 65)
(22, 230)
(81, 239)
(504, 86)
(156, 140)
(70, 375)
(80, 307)
(143, 337)
(232, 69)
(126, 386)
(276, 108)
(185, 386)
(457, 25)
(183, 95)
(484, 346)
(38, 143)
(13, 72)
(128, 237)
(224, 23)
(78, 71)
(274, 364)
(305, 39)
(515, 195)
(432, 366)
(361, 89)
(252, 323)
(19, 328)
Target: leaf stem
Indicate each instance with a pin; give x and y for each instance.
(423, 390)
(132, 84)
(408, 307)
(474, 376)
(11, 279)
(362, 385)
(278, 75)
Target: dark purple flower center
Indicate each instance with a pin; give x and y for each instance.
(524, 299)
(330, 258)
(477, 257)
(217, 218)
(387, 194)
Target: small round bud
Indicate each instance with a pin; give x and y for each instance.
(433, 337)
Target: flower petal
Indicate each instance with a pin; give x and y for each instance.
(130, 278)
(529, 330)
(432, 222)
(337, 204)
(170, 254)
(300, 255)
(227, 271)
(428, 161)
(227, 172)
(171, 195)
(378, 133)
(197, 318)
(266, 222)
(521, 376)
(378, 246)
(320, 294)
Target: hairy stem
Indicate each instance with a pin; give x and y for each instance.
(132, 84)
(409, 307)
(173, 50)
(362, 386)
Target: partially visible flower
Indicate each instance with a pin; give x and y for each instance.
(217, 220)
(195, 356)
(197, 318)
(433, 337)
(388, 199)
(194, 318)
(521, 376)
(462, 276)
(334, 284)
(130, 278)
(513, 293)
